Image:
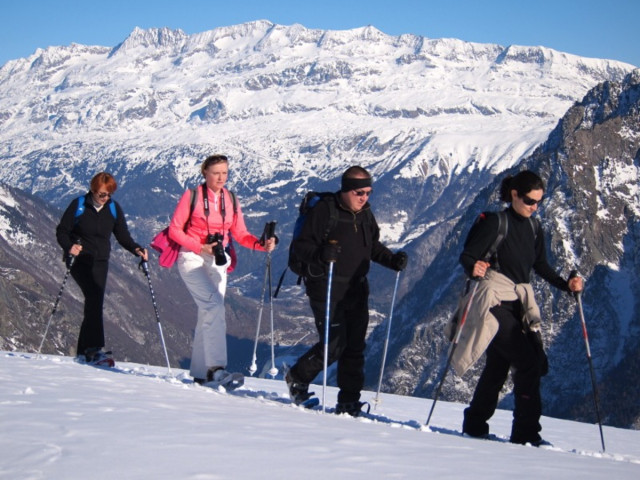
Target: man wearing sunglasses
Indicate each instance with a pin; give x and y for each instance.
(351, 243)
(84, 233)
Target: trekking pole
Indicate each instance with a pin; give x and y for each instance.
(269, 232)
(326, 331)
(273, 371)
(253, 367)
(453, 346)
(72, 259)
(145, 268)
(578, 297)
(386, 341)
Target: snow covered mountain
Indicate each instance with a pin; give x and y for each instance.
(435, 120)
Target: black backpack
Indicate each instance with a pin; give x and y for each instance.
(308, 202)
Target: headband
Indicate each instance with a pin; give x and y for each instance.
(355, 183)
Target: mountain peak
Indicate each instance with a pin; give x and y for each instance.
(151, 38)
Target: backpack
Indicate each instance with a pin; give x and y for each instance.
(309, 201)
(80, 209)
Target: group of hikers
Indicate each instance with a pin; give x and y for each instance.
(338, 240)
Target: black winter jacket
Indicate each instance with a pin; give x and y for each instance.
(357, 234)
(519, 253)
(94, 229)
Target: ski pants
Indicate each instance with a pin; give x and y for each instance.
(349, 319)
(91, 277)
(207, 284)
(511, 347)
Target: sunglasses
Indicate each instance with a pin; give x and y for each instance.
(362, 193)
(103, 195)
(530, 201)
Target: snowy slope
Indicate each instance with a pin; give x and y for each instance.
(65, 420)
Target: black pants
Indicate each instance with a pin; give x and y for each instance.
(348, 323)
(91, 277)
(511, 347)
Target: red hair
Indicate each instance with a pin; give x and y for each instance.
(104, 179)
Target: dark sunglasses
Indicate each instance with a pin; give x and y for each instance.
(103, 195)
(530, 201)
(362, 193)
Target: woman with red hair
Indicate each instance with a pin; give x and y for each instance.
(84, 233)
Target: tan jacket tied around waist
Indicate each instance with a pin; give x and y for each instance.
(481, 326)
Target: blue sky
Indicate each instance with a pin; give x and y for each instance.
(590, 28)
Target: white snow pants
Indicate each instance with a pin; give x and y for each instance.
(207, 283)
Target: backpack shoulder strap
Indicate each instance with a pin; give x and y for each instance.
(80, 207)
(234, 201)
(535, 226)
(503, 228)
(192, 205)
(333, 215)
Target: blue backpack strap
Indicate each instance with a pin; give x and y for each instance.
(79, 208)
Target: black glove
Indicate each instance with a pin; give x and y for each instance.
(399, 261)
(329, 252)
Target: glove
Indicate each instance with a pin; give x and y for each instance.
(329, 252)
(399, 261)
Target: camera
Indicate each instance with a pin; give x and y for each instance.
(218, 249)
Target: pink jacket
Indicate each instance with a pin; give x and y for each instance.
(196, 233)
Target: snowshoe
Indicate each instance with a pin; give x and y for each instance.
(352, 408)
(222, 378)
(299, 392)
(98, 358)
(310, 402)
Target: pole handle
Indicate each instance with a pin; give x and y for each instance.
(573, 274)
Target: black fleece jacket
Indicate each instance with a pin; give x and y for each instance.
(358, 235)
(519, 253)
(94, 228)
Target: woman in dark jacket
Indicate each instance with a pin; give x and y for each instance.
(84, 232)
(513, 346)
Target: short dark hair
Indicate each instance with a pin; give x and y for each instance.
(212, 160)
(356, 172)
(522, 183)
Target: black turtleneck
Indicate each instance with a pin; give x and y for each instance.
(521, 250)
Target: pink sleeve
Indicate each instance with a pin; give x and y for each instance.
(177, 226)
(242, 235)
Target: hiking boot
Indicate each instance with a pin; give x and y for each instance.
(352, 408)
(298, 392)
